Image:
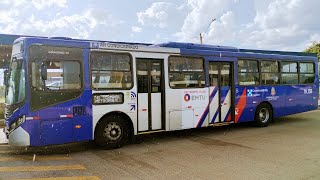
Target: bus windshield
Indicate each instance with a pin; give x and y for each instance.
(15, 86)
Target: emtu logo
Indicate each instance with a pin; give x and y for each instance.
(187, 97)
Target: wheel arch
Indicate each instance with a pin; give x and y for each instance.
(124, 116)
(271, 107)
(268, 103)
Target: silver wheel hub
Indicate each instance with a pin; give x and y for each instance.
(264, 115)
(112, 131)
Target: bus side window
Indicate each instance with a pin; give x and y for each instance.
(248, 72)
(307, 73)
(225, 75)
(186, 72)
(111, 70)
(213, 74)
(289, 73)
(270, 72)
(37, 82)
(61, 75)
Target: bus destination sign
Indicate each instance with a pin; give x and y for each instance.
(107, 98)
(106, 45)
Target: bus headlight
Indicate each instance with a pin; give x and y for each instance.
(17, 123)
(13, 126)
(20, 120)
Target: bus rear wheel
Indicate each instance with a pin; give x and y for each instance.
(263, 115)
(111, 132)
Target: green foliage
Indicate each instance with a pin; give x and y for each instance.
(314, 48)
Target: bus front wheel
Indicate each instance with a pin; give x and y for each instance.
(111, 132)
(263, 115)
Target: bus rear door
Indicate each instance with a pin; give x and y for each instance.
(221, 92)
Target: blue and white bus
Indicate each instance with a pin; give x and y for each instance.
(62, 90)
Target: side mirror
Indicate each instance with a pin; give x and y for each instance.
(44, 73)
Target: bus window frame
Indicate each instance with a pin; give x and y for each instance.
(259, 71)
(31, 89)
(112, 89)
(205, 67)
(314, 72)
(279, 72)
(59, 90)
(298, 72)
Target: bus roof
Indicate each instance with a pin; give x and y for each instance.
(81, 40)
(197, 46)
(232, 51)
(278, 52)
(214, 50)
(190, 48)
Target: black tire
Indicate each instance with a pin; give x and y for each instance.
(263, 115)
(111, 132)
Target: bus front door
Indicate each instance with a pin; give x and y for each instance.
(150, 94)
(221, 85)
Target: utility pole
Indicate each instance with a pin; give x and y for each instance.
(202, 34)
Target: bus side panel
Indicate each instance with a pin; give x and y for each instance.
(240, 104)
(248, 98)
(187, 108)
(65, 122)
(82, 122)
(31, 127)
(56, 131)
(128, 107)
(299, 99)
(276, 96)
(247, 109)
(316, 94)
(245, 104)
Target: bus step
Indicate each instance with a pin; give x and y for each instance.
(150, 132)
(222, 124)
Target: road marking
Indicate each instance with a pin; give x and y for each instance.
(41, 168)
(38, 158)
(67, 178)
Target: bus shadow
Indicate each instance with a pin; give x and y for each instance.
(216, 130)
(301, 118)
(190, 133)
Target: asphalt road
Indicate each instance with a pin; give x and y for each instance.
(287, 149)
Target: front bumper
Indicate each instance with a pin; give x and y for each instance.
(18, 137)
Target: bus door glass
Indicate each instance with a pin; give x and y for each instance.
(220, 76)
(150, 94)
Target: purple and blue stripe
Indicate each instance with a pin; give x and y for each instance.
(205, 113)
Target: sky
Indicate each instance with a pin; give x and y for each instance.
(258, 24)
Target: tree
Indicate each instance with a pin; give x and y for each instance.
(314, 48)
